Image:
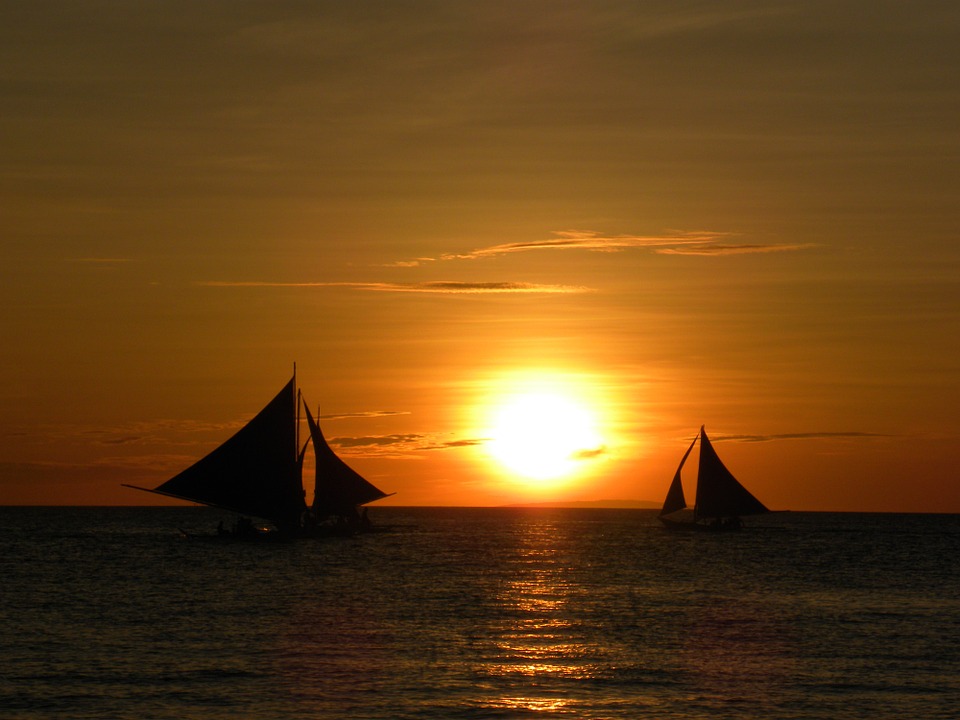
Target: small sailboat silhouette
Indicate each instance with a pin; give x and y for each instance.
(721, 500)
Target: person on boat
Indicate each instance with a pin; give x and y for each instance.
(244, 528)
(308, 519)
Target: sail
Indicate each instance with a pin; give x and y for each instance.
(719, 493)
(675, 499)
(256, 472)
(338, 489)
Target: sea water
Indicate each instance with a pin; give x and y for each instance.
(480, 613)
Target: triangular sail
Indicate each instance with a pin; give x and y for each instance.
(338, 489)
(719, 493)
(675, 500)
(256, 472)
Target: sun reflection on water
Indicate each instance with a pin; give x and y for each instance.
(542, 705)
(540, 651)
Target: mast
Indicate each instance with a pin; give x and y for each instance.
(296, 442)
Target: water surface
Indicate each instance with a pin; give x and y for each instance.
(480, 613)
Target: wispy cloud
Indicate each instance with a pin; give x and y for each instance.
(408, 444)
(416, 262)
(483, 287)
(123, 440)
(403, 440)
(368, 414)
(161, 432)
(590, 453)
(450, 444)
(413, 444)
(164, 464)
(675, 243)
(803, 436)
(715, 250)
(589, 240)
(100, 260)
(441, 287)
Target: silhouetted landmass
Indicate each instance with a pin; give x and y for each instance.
(641, 504)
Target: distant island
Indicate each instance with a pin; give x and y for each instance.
(614, 504)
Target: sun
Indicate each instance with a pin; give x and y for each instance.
(542, 435)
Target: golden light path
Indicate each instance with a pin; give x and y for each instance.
(542, 428)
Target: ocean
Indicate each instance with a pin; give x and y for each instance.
(480, 613)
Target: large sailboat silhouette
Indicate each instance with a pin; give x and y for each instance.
(258, 473)
(720, 501)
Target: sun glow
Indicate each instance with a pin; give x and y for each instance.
(543, 433)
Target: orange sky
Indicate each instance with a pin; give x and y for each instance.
(739, 214)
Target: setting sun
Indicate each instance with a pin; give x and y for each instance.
(542, 435)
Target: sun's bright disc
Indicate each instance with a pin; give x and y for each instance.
(542, 435)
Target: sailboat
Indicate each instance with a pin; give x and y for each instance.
(258, 472)
(721, 500)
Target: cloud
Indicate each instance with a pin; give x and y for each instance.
(368, 414)
(271, 284)
(404, 440)
(589, 240)
(161, 464)
(398, 444)
(803, 436)
(482, 287)
(473, 442)
(104, 261)
(124, 440)
(590, 453)
(715, 250)
(441, 287)
(164, 432)
(674, 243)
(416, 262)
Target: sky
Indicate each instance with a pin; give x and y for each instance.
(639, 217)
